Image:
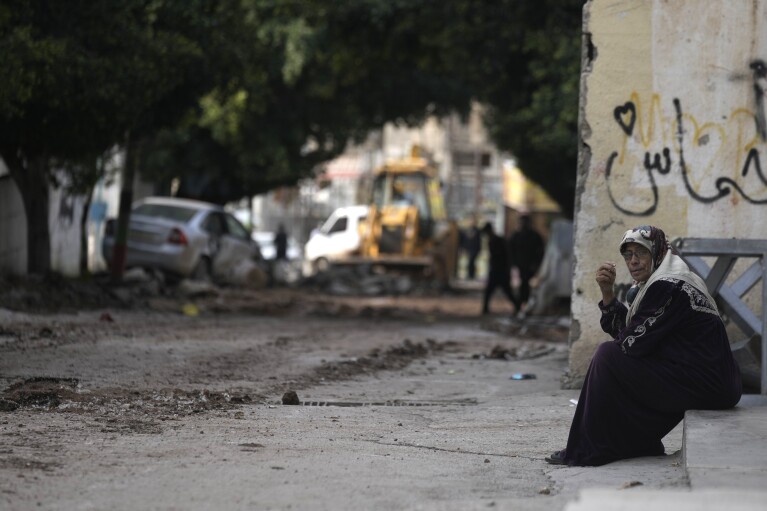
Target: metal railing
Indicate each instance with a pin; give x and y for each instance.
(727, 252)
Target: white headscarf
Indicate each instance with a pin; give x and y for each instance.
(671, 265)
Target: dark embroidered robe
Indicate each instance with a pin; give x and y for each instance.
(673, 356)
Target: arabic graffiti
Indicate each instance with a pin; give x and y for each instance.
(711, 146)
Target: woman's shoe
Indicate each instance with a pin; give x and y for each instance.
(557, 458)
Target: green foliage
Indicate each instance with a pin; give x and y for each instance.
(82, 73)
(320, 73)
(238, 96)
(79, 76)
(534, 114)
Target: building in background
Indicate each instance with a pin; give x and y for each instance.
(470, 170)
(523, 197)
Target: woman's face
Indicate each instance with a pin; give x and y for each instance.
(638, 260)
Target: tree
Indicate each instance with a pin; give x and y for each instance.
(83, 76)
(534, 111)
(322, 72)
(319, 74)
(521, 58)
(239, 96)
(79, 75)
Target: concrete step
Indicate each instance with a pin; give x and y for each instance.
(669, 500)
(727, 448)
(725, 457)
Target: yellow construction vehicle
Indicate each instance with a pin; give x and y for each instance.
(407, 225)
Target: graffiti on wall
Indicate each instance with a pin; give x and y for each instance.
(714, 160)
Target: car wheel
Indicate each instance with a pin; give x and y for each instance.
(321, 265)
(202, 272)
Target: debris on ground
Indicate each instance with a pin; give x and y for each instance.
(374, 296)
(191, 289)
(522, 352)
(290, 398)
(7, 405)
(67, 394)
(368, 280)
(500, 352)
(190, 309)
(246, 273)
(54, 293)
(393, 358)
(551, 328)
(42, 391)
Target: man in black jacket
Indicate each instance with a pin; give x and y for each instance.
(525, 253)
(499, 274)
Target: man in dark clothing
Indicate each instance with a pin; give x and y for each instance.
(472, 244)
(525, 254)
(281, 244)
(499, 274)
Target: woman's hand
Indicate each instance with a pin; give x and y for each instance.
(606, 280)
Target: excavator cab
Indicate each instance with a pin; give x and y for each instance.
(407, 224)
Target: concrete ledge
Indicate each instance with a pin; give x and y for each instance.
(727, 448)
(637, 499)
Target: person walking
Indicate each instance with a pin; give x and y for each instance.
(281, 244)
(472, 245)
(525, 254)
(499, 274)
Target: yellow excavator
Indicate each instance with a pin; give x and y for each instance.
(407, 226)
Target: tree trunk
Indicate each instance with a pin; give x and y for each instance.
(84, 234)
(123, 216)
(36, 200)
(31, 177)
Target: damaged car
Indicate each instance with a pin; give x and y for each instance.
(183, 238)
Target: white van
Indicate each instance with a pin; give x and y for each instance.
(337, 238)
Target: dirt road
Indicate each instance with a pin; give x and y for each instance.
(179, 406)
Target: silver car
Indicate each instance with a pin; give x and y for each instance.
(183, 238)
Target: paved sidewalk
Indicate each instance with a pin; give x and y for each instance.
(458, 434)
(485, 446)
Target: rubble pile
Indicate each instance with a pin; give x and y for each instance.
(393, 358)
(524, 351)
(67, 394)
(54, 293)
(550, 328)
(368, 280)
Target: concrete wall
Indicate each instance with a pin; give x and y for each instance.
(63, 221)
(13, 227)
(64, 216)
(673, 133)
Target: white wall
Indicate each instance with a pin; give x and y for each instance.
(64, 225)
(64, 215)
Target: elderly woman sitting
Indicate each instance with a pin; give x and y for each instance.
(669, 354)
